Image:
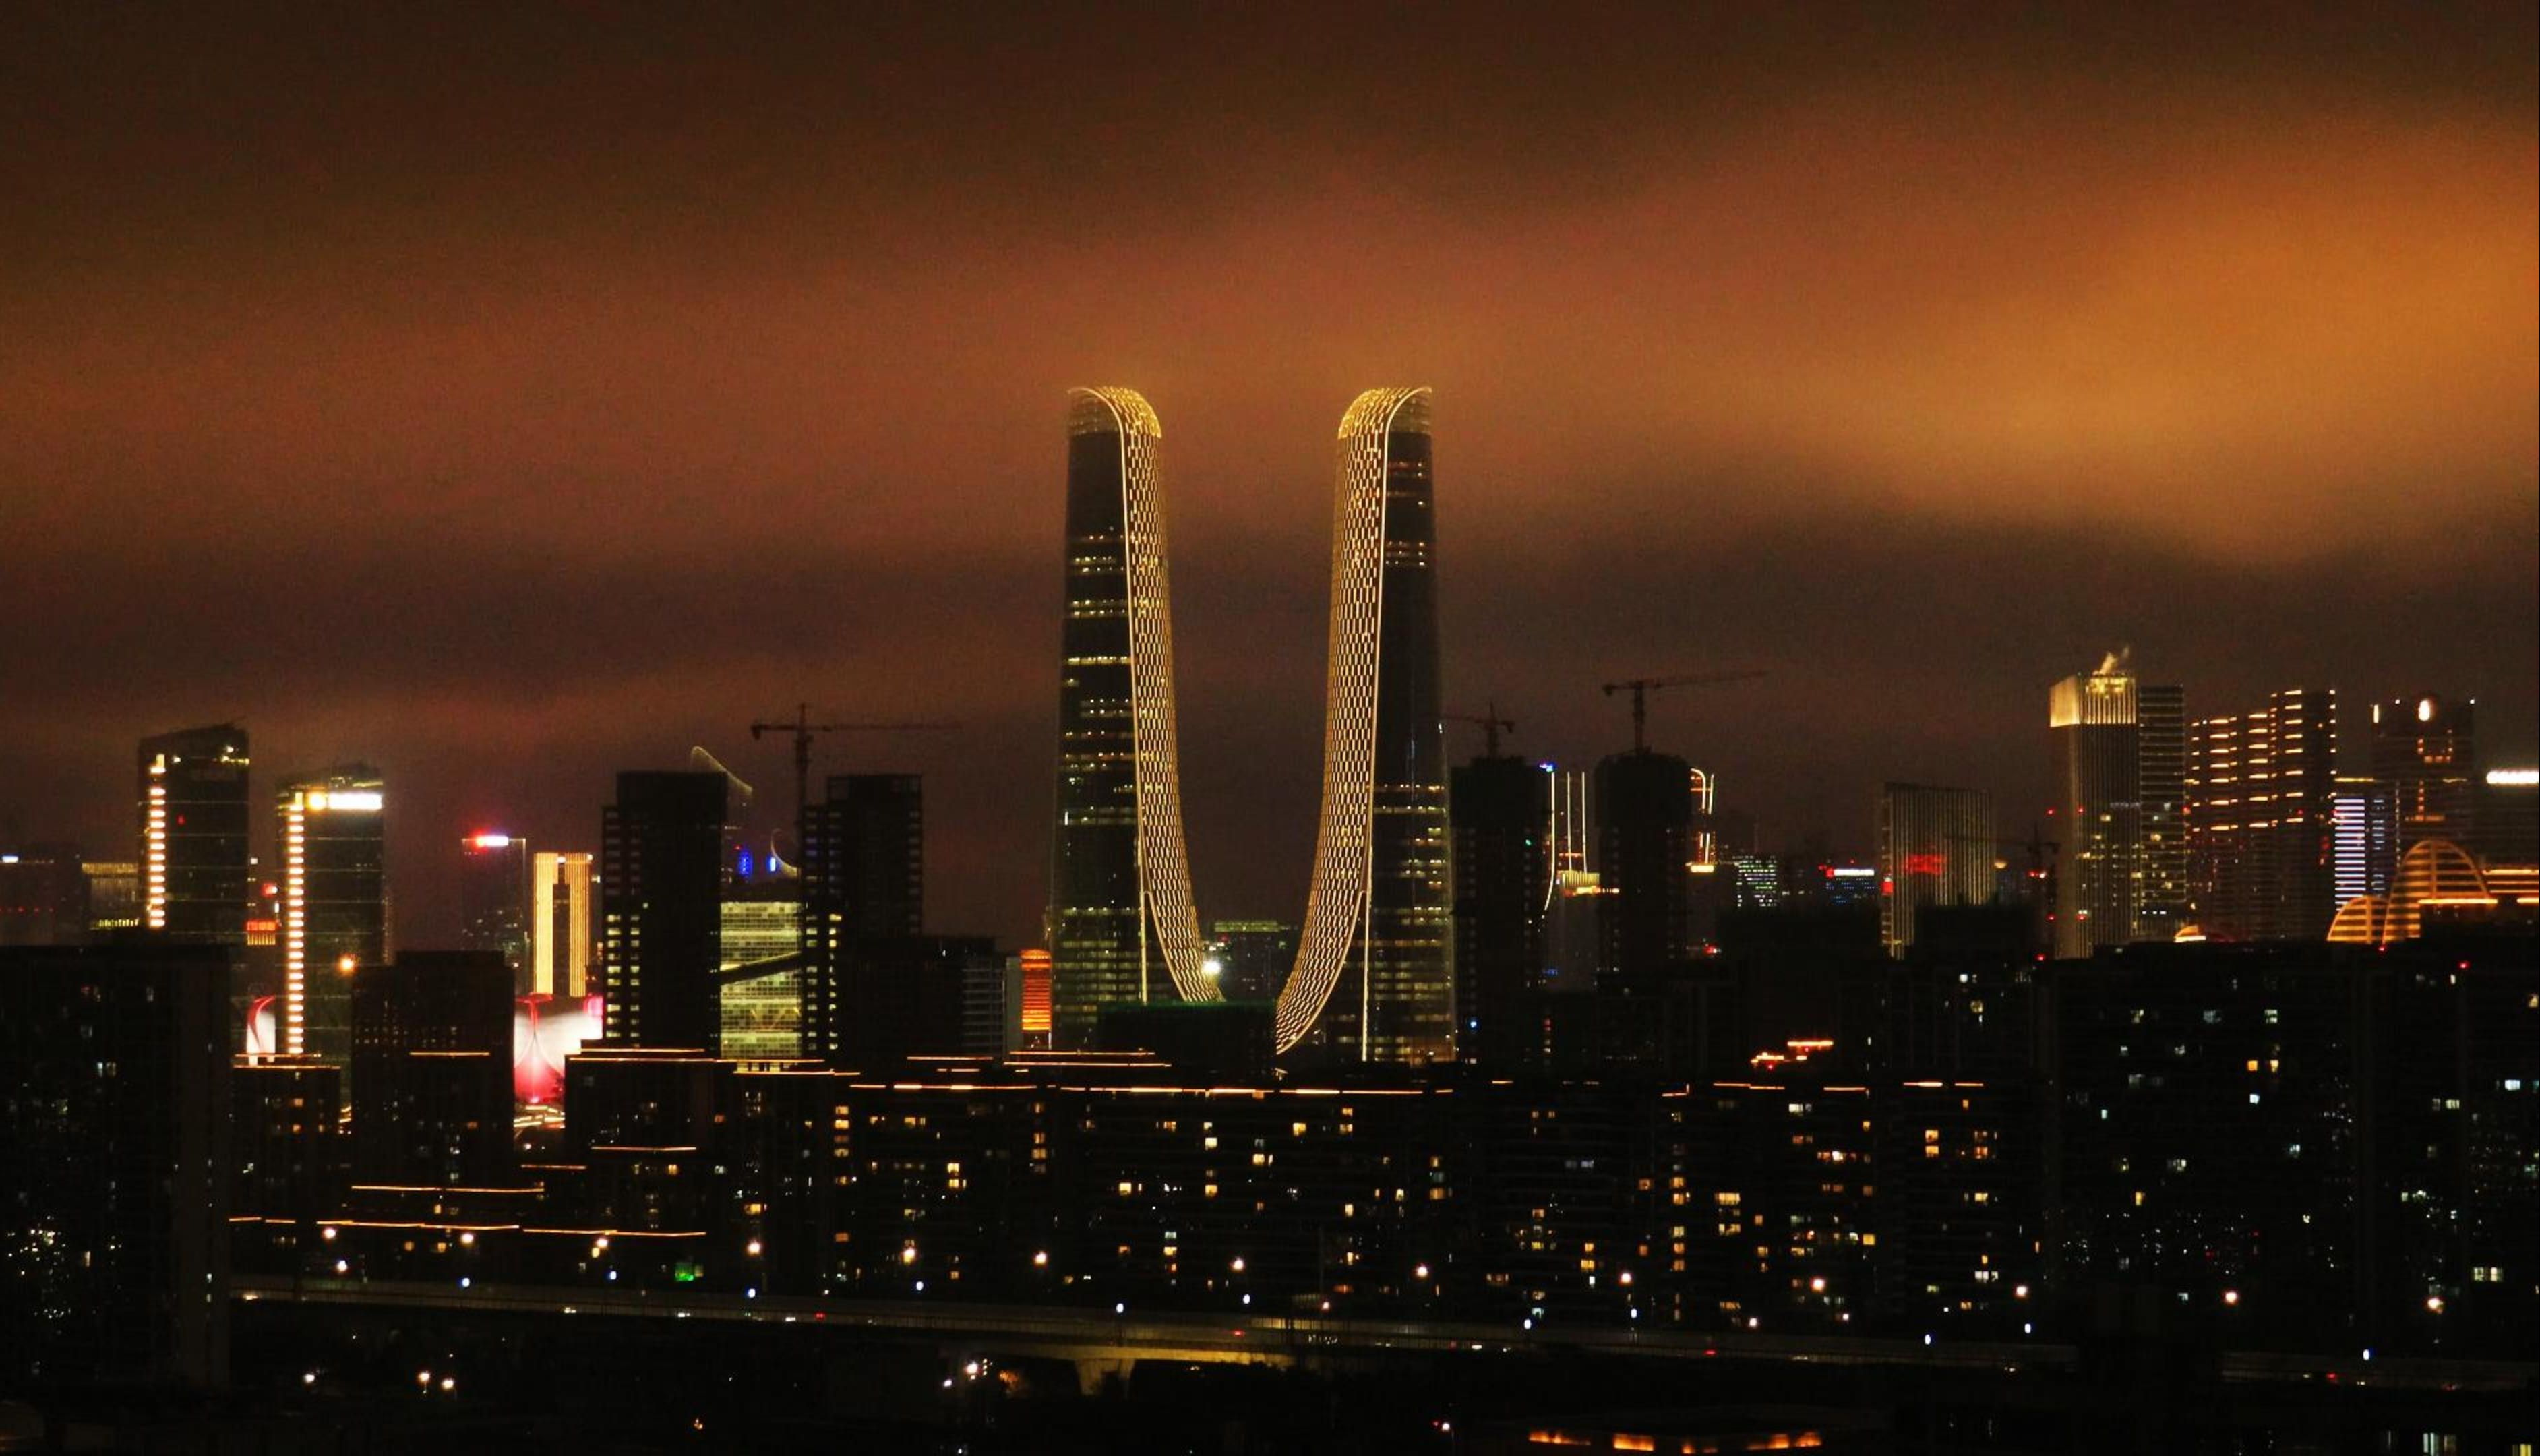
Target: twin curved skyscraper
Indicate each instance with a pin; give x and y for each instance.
(1373, 978)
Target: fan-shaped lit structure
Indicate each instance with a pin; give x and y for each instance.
(2435, 875)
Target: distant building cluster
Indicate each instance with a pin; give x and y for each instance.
(2224, 1025)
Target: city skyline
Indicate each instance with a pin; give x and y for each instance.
(508, 467)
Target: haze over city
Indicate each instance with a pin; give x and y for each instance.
(507, 398)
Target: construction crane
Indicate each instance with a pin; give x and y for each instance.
(802, 728)
(1491, 722)
(1642, 687)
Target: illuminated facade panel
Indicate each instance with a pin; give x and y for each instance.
(334, 904)
(560, 926)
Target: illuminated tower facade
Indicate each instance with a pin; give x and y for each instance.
(2425, 749)
(194, 811)
(334, 904)
(1374, 980)
(1122, 926)
(2262, 819)
(2095, 795)
(561, 916)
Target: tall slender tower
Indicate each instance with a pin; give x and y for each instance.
(335, 903)
(1122, 926)
(2096, 741)
(1374, 980)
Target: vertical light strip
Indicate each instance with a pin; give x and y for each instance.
(295, 925)
(154, 873)
(1337, 903)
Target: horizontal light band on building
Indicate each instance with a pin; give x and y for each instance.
(2514, 778)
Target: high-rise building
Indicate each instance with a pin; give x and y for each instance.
(1372, 979)
(1934, 848)
(2095, 798)
(2160, 712)
(760, 981)
(1255, 955)
(1122, 923)
(494, 900)
(1374, 974)
(2363, 838)
(431, 1080)
(662, 869)
(44, 896)
(1645, 823)
(2425, 749)
(115, 1164)
(1500, 809)
(561, 917)
(335, 905)
(864, 883)
(2506, 831)
(2261, 819)
(194, 821)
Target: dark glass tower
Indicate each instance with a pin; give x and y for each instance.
(2425, 749)
(1645, 823)
(494, 901)
(864, 884)
(2094, 793)
(193, 813)
(1122, 926)
(661, 901)
(1502, 811)
(334, 904)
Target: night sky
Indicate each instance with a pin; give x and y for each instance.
(510, 399)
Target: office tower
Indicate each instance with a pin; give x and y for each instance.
(2425, 749)
(2261, 819)
(2095, 798)
(44, 896)
(992, 995)
(1501, 811)
(115, 1164)
(334, 904)
(1122, 925)
(1255, 954)
(761, 980)
(2506, 830)
(494, 900)
(430, 1076)
(194, 817)
(1759, 880)
(864, 883)
(661, 899)
(1644, 821)
(287, 1164)
(2160, 712)
(1934, 848)
(2363, 838)
(1373, 977)
(562, 911)
(908, 996)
